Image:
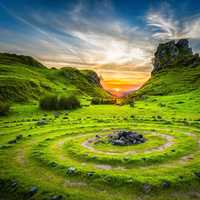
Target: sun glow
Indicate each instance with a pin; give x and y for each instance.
(117, 89)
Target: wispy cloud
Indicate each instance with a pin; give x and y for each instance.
(103, 42)
(165, 25)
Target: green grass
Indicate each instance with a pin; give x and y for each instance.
(173, 80)
(32, 154)
(44, 154)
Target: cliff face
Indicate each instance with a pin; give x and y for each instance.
(92, 77)
(171, 53)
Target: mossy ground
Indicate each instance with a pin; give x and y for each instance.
(44, 154)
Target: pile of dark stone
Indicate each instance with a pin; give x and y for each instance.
(125, 137)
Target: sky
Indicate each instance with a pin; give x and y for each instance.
(116, 38)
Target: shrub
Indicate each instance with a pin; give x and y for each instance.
(49, 102)
(97, 101)
(128, 101)
(70, 102)
(4, 108)
(52, 102)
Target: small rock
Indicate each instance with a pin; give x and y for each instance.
(166, 184)
(31, 192)
(56, 197)
(71, 170)
(56, 114)
(147, 188)
(13, 185)
(89, 174)
(197, 174)
(41, 122)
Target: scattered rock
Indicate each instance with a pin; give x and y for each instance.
(166, 184)
(124, 137)
(197, 174)
(147, 188)
(31, 192)
(41, 122)
(57, 197)
(71, 170)
(56, 114)
(13, 185)
(89, 174)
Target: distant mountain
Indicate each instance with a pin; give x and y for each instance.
(176, 70)
(22, 78)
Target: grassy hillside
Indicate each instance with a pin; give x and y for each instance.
(177, 79)
(23, 78)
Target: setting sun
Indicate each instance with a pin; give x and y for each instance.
(117, 89)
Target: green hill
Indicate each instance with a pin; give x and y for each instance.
(176, 71)
(22, 78)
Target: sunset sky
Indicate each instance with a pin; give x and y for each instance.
(116, 38)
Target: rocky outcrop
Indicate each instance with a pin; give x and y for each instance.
(172, 52)
(92, 77)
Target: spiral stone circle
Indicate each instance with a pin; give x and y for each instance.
(67, 154)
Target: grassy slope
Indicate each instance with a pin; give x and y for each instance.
(24, 79)
(174, 80)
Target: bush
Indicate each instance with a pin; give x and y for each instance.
(97, 101)
(4, 108)
(70, 102)
(53, 102)
(49, 102)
